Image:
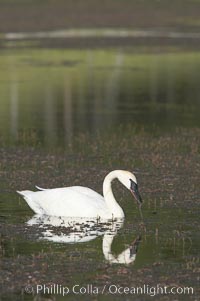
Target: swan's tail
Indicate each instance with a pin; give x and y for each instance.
(24, 193)
(33, 204)
(39, 188)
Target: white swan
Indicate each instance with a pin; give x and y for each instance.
(78, 201)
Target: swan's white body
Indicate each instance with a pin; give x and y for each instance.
(78, 201)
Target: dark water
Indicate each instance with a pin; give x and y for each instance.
(68, 118)
(164, 251)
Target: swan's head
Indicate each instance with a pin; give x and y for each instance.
(129, 180)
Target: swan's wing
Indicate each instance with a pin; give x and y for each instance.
(87, 192)
(83, 190)
(39, 188)
(74, 201)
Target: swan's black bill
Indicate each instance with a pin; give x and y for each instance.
(135, 192)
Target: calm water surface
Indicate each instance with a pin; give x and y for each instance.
(52, 95)
(49, 99)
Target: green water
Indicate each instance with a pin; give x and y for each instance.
(49, 96)
(68, 117)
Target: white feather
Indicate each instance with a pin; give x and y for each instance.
(78, 201)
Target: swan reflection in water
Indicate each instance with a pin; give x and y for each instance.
(78, 230)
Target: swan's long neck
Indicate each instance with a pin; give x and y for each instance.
(112, 204)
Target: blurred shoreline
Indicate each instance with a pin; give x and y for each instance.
(105, 37)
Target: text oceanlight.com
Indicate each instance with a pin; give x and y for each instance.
(112, 289)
